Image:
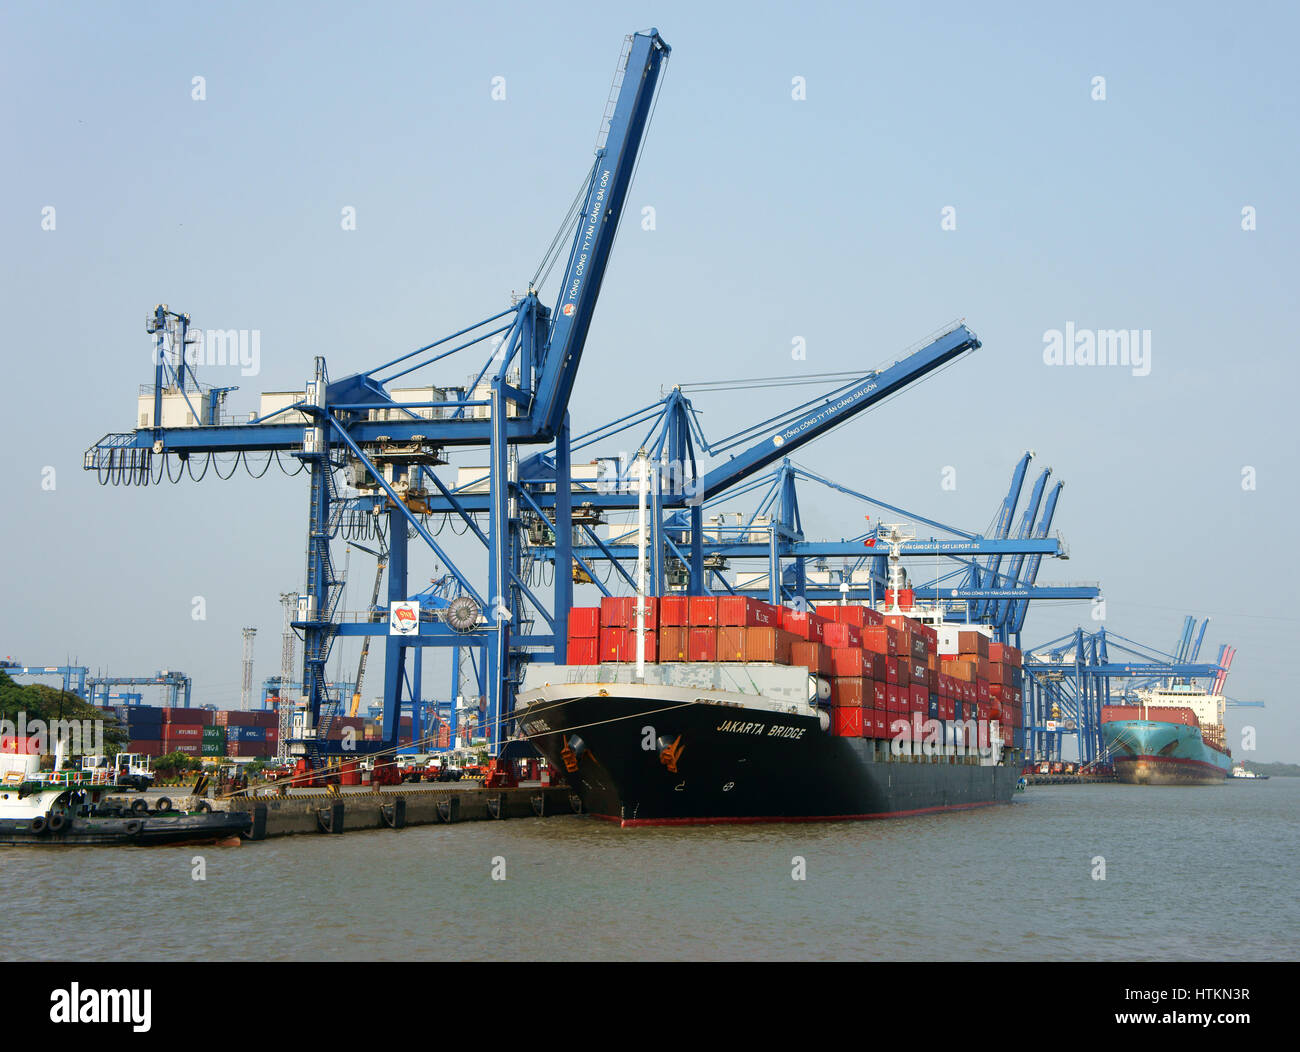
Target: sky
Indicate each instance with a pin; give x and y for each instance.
(944, 163)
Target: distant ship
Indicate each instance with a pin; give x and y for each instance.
(1171, 736)
(1241, 771)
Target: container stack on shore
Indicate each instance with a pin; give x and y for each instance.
(881, 668)
(201, 733)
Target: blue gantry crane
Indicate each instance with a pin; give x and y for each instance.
(72, 677)
(371, 451)
(386, 444)
(1069, 679)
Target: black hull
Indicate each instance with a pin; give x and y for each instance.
(149, 831)
(732, 767)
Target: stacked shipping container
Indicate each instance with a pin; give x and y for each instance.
(881, 668)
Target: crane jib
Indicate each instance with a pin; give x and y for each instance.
(592, 221)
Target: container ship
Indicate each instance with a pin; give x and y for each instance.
(708, 709)
(1172, 736)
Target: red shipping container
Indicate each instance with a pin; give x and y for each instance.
(815, 657)
(849, 662)
(891, 671)
(626, 645)
(849, 691)
(584, 622)
(184, 748)
(740, 611)
(611, 640)
(973, 643)
(981, 690)
(904, 667)
(731, 641)
(880, 639)
(672, 643)
(1005, 653)
(835, 634)
(806, 626)
(194, 717)
(919, 674)
(651, 612)
(920, 701)
(882, 723)
(702, 643)
(703, 612)
(583, 652)
(881, 691)
(182, 731)
(847, 722)
(768, 644)
(613, 611)
(891, 697)
(853, 614)
(146, 748)
(674, 611)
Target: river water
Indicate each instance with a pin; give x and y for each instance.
(1191, 873)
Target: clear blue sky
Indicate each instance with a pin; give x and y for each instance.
(775, 219)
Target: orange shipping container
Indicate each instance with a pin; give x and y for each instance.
(880, 640)
(768, 644)
(850, 690)
(731, 643)
(672, 643)
(815, 657)
(847, 661)
(976, 643)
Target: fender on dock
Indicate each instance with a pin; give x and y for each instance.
(330, 819)
(394, 814)
(257, 823)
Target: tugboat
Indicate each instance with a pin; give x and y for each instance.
(72, 807)
(1242, 771)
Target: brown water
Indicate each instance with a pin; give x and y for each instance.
(1191, 873)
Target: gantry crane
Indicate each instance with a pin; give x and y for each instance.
(387, 444)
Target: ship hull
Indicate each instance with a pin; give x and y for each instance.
(647, 761)
(1151, 752)
(149, 831)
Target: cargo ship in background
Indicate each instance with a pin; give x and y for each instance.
(1172, 736)
(706, 709)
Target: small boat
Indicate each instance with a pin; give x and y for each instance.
(74, 807)
(1241, 771)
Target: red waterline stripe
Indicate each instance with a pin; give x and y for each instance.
(1169, 759)
(738, 820)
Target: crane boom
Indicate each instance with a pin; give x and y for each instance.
(597, 226)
